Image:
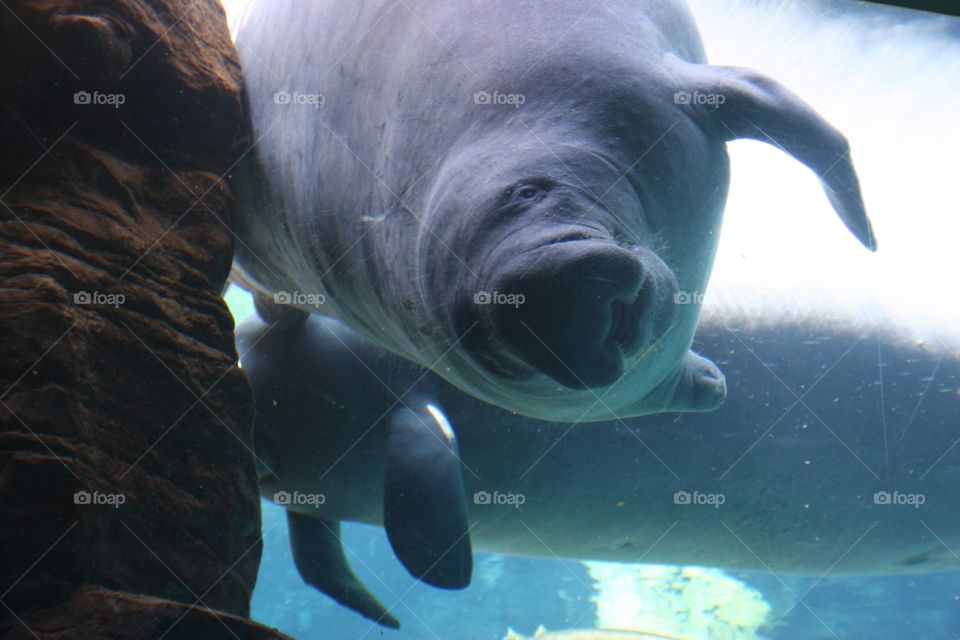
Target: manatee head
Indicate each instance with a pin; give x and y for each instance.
(543, 257)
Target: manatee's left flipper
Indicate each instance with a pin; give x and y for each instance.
(318, 554)
(748, 104)
(697, 385)
(424, 501)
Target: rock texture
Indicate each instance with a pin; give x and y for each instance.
(125, 427)
(110, 615)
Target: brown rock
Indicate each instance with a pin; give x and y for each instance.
(125, 427)
(171, 63)
(111, 615)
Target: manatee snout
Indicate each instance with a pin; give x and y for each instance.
(578, 310)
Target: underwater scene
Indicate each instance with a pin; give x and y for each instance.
(823, 489)
(480, 319)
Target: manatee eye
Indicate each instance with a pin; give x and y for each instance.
(522, 194)
(527, 192)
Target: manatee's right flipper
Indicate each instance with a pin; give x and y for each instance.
(318, 554)
(696, 385)
(424, 500)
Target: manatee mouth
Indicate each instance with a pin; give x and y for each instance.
(626, 316)
(575, 309)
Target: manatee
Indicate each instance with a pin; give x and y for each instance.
(424, 505)
(815, 464)
(514, 198)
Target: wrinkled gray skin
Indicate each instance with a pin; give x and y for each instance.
(798, 479)
(597, 199)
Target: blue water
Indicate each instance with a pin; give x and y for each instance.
(507, 591)
(891, 83)
(554, 593)
(524, 593)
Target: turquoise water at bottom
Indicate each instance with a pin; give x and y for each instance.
(523, 593)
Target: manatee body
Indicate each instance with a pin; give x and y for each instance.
(512, 196)
(809, 467)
